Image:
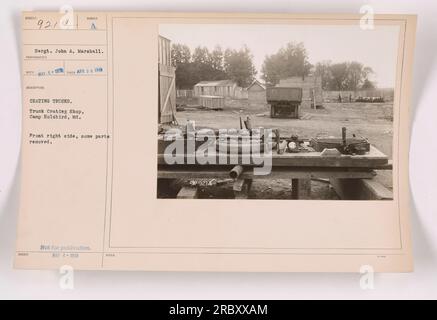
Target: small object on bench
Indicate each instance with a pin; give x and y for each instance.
(345, 145)
(330, 152)
(282, 146)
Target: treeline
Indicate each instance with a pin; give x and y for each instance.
(292, 60)
(237, 65)
(289, 61)
(205, 65)
(344, 76)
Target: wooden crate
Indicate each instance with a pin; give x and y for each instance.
(212, 102)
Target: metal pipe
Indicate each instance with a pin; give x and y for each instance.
(236, 172)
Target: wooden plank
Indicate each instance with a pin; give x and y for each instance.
(238, 185)
(375, 190)
(360, 189)
(241, 188)
(289, 161)
(170, 172)
(187, 193)
(388, 166)
(374, 158)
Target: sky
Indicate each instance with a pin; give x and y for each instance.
(375, 48)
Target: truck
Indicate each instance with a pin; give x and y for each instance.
(284, 102)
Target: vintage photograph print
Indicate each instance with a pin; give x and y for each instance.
(276, 111)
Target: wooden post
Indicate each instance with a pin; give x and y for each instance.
(295, 189)
(301, 189)
(314, 99)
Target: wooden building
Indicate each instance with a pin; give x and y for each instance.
(222, 88)
(166, 84)
(256, 93)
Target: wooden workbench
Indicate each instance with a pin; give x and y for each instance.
(372, 159)
(346, 173)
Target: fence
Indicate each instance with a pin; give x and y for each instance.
(184, 93)
(334, 96)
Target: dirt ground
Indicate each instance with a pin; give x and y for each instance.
(371, 120)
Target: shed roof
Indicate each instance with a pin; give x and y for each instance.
(258, 83)
(217, 83)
